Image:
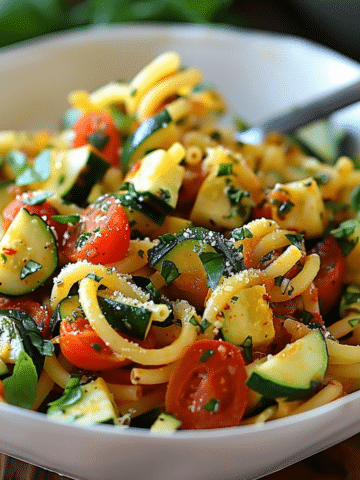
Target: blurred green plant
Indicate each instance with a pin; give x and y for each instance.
(25, 19)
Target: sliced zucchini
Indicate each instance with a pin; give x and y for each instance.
(128, 316)
(249, 315)
(161, 174)
(294, 372)
(221, 204)
(74, 172)
(146, 203)
(28, 254)
(159, 131)
(165, 423)
(196, 250)
(95, 405)
(321, 139)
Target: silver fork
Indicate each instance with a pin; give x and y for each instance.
(290, 121)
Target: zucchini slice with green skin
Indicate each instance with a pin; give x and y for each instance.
(74, 172)
(132, 320)
(294, 372)
(217, 254)
(165, 423)
(146, 203)
(94, 405)
(28, 254)
(158, 131)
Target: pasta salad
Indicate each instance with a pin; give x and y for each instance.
(156, 273)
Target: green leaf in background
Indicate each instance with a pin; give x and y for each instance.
(25, 19)
(21, 386)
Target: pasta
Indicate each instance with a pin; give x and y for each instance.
(168, 277)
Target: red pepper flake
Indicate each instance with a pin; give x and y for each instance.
(9, 251)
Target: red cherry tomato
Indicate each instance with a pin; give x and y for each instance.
(44, 209)
(207, 388)
(39, 313)
(329, 280)
(85, 349)
(2, 389)
(101, 236)
(98, 129)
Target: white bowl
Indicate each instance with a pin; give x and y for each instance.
(260, 74)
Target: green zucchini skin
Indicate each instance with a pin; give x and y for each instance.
(132, 320)
(165, 423)
(28, 243)
(201, 236)
(148, 136)
(295, 371)
(146, 203)
(74, 173)
(95, 406)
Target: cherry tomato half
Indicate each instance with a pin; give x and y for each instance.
(44, 209)
(83, 347)
(329, 280)
(98, 129)
(101, 236)
(207, 388)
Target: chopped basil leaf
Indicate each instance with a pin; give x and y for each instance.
(99, 140)
(241, 233)
(204, 325)
(96, 347)
(95, 277)
(354, 322)
(295, 239)
(247, 346)
(212, 405)
(345, 230)
(4, 258)
(133, 92)
(36, 199)
(71, 394)
(351, 297)
(165, 195)
(214, 267)
(21, 386)
(169, 271)
(283, 207)
(30, 268)
(193, 321)
(206, 355)
(72, 218)
(225, 169)
(82, 240)
(141, 253)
